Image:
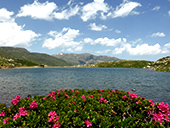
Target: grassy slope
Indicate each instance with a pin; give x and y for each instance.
(123, 64)
(23, 54)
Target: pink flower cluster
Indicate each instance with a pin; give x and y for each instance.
(21, 112)
(102, 100)
(163, 113)
(100, 90)
(54, 117)
(124, 97)
(6, 120)
(15, 100)
(88, 123)
(34, 105)
(2, 114)
(52, 94)
(133, 95)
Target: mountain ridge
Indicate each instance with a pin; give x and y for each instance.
(84, 58)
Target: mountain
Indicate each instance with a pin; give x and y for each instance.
(162, 64)
(23, 54)
(86, 58)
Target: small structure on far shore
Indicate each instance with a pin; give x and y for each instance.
(42, 65)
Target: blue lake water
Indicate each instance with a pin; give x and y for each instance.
(40, 81)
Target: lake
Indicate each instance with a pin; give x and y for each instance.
(40, 81)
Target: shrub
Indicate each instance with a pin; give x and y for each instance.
(80, 108)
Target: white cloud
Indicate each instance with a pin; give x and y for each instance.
(109, 42)
(5, 15)
(14, 35)
(166, 48)
(156, 8)
(67, 13)
(118, 50)
(169, 13)
(143, 49)
(125, 9)
(94, 27)
(64, 39)
(88, 40)
(117, 31)
(38, 10)
(90, 10)
(103, 52)
(158, 34)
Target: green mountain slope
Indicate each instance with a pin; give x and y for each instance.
(80, 59)
(23, 54)
(123, 64)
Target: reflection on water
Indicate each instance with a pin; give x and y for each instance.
(40, 81)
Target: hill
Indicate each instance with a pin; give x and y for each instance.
(86, 58)
(162, 64)
(23, 54)
(122, 64)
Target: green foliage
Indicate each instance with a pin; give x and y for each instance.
(80, 108)
(123, 64)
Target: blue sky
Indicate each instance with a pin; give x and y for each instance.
(127, 29)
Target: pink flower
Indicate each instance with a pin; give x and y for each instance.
(6, 120)
(66, 96)
(14, 101)
(72, 90)
(109, 92)
(101, 100)
(17, 97)
(16, 116)
(166, 118)
(44, 98)
(83, 97)
(159, 117)
(73, 102)
(105, 101)
(57, 125)
(113, 90)
(28, 98)
(91, 96)
(124, 97)
(52, 113)
(75, 110)
(88, 123)
(163, 107)
(51, 119)
(76, 91)
(2, 114)
(22, 111)
(138, 102)
(34, 105)
(133, 95)
(58, 93)
(100, 90)
(117, 91)
(152, 103)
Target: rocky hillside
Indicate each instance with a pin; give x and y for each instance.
(162, 64)
(23, 54)
(86, 58)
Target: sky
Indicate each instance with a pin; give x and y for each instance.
(126, 29)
